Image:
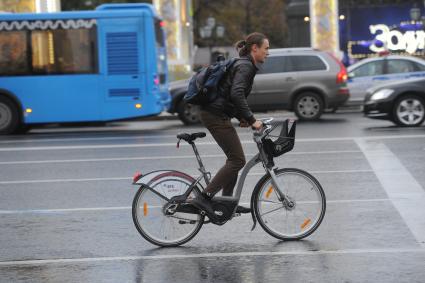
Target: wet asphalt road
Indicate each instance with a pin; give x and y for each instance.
(66, 193)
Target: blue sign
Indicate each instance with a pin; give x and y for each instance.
(374, 30)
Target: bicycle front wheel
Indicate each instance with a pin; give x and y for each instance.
(298, 216)
(152, 220)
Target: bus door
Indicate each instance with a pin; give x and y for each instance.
(122, 65)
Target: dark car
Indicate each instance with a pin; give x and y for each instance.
(304, 80)
(188, 113)
(402, 103)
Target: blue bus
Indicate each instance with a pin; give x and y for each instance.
(101, 65)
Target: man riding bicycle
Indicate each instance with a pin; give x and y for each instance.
(216, 116)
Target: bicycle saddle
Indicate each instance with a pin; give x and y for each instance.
(191, 137)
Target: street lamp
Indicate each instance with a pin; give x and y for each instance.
(220, 31)
(210, 32)
(211, 22)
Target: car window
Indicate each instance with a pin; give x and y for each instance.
(274, 64)
(418, 67)
(396, 66)
(307, 63)
(374, 68)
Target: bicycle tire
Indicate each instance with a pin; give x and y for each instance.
(145, 231)
(312, 224)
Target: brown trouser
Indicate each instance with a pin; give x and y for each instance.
(226, 137)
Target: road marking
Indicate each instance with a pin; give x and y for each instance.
(142, 137)
(210, 255)
(79, 147)
(388, 137)
(406, 194)
(131, 178)
(113, 208)
(160, 157)
(65, 180)
(132, 137)
(87, 139)
(64, 210)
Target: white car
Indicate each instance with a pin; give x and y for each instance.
(374, 71)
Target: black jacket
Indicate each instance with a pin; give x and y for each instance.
(234, 89)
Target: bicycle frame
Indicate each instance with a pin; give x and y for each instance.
(260, 157)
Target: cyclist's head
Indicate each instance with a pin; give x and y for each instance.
(256, 44)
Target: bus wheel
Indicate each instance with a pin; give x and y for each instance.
(23, 129)
(9, 116)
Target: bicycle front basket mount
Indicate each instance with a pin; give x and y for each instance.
(284, 142)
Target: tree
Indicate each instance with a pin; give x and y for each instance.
(73, 5)
(241, 17)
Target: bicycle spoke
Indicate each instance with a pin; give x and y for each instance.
(162, 229)
(154, 224)
(158, 194)
(172, 227)
(286, 221)
(270, 201)
(298, 221)
(273, 210)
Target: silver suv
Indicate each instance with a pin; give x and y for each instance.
(303, 80)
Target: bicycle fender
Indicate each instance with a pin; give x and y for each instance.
(254, 217)
(254, 220)
(148, 178)
(253, 214)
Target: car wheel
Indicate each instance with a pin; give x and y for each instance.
(9, 116)
(409, 111)
(188, 113)
(308, 106)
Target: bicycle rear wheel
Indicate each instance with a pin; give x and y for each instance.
(152, 220)
(294, 220)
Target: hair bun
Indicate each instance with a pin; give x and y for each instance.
(244, 46)
(241, 43)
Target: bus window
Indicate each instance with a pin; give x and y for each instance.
(64, 51)
(13, 53)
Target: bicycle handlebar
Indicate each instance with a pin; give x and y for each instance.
(267, 127)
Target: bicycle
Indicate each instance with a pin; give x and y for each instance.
(163, 216)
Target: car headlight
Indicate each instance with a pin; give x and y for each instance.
(381, 94)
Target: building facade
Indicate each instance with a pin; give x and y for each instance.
(367, 28)
(30, 6)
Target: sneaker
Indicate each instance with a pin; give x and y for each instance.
(202, 202)
(241, 209)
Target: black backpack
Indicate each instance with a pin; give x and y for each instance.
(204, 85)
